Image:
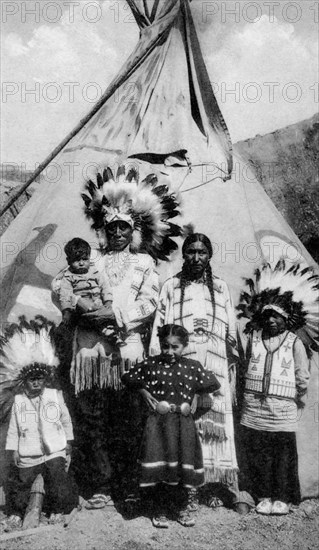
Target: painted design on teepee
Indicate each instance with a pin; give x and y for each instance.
(145, 205)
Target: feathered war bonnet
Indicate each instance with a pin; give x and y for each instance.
(26, 350)
(291, 291)
(145, 205)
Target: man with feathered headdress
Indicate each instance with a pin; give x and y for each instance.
(282, 308)
(132, 219)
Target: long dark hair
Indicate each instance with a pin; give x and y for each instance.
(185, 274)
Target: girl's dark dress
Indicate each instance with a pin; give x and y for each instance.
(171, 451)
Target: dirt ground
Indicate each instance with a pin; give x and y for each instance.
(219, 529)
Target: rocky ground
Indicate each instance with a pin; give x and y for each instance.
(219, 529)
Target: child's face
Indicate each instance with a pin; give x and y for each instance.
(80, 265)
(35, 385)
(274, 323)
(172, 346)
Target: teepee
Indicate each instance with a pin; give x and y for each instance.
(171, 126)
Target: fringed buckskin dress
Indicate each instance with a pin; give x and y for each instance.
(207, 344)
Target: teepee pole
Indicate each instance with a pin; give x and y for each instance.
(133, 64)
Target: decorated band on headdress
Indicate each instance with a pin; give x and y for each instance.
(146, 206)
(291, 291)
(26, 351)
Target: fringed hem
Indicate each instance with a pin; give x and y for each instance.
(212, 426)
(226, 476)
(101, 373)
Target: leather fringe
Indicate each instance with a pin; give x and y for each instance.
(101, 373)
(227, 476)
(212, 426)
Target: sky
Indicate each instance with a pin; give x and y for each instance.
(57, 58)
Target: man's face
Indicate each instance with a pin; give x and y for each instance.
(119, 235)
(35, 385)
(274, 323)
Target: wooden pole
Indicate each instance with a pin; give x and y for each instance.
(132, 64)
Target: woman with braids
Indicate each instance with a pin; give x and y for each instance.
(201, 303)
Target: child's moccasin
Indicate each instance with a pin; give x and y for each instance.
(264, 507)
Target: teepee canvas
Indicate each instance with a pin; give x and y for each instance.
(171, 125)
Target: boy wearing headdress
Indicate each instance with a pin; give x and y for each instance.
(40, 429)
(276, 380)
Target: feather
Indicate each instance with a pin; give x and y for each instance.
(132, 175)
(145, 205)
(22, 346)
(292, 288)
(151, 179)
(107, 174)
(99, 180)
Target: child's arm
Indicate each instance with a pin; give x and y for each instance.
(67, 297)
(302, 374)
(12, 442)
(66, 422)
(136, 379)
(206, 382)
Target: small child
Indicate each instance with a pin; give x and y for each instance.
(283, 301)
(80, 287)
(171, 453)
(39, 440)
(276, 380)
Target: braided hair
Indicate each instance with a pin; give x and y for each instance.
(186, 276)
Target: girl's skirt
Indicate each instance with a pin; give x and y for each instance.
(171, 451)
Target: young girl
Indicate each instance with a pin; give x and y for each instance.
(171, 452)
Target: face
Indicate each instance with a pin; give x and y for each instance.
(274, 323)
(80, 265)
(119, 235)
(34, 386)
(196, 257)
(172, 347)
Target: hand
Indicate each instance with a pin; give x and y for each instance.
(194, 404)
(66, 316)
(15, 458)
(101, 316)
(301, 401)
(84, 305)
(150, 400)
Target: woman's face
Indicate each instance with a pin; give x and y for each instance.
(119, 235)
(196, 258)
